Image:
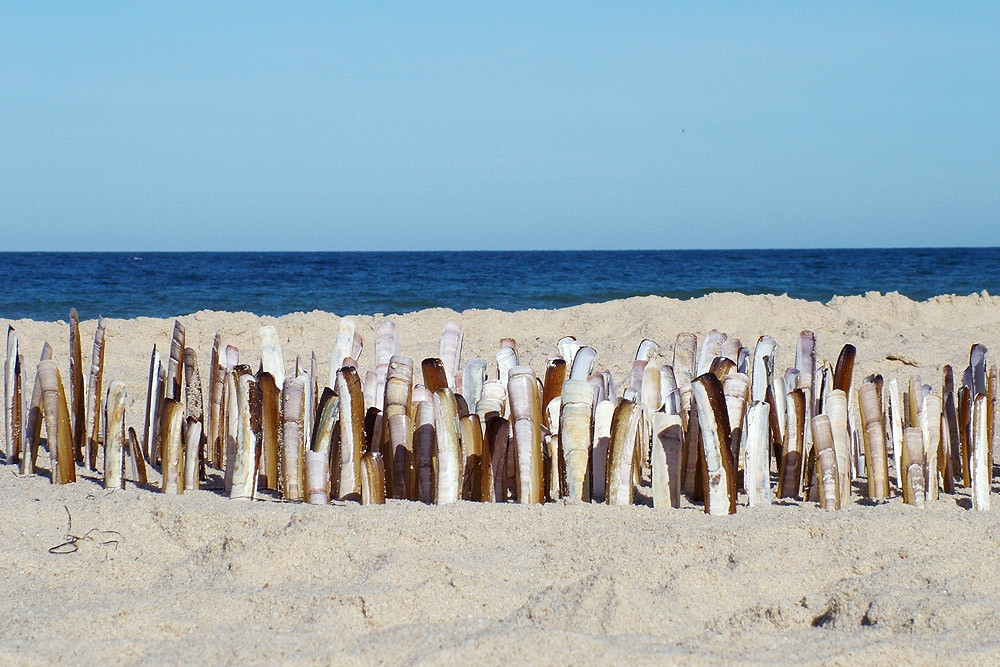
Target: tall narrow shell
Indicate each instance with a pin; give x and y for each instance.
(506, 360)
(912, 481)
(435, 376)
(193, 397)
(668, 440)
(583, 363)
(154, 400)
(473, 378)
(10, 404)
(114, 437)
(372, 479)
(404, 478)
(447, 481)
(138, 460)
(317, 457)
(621, 456)
(710, 349)
(270, 428)
(526, 416)
(496, 442)
(763, 367)
(386, 342)
(836, 409)
(980, 456)
(977, 366)
(216, 378)
(293, 443)
(844, 375)
(930, 426)
(57, 423)
(424, 446)
(95, 391)
(33, 427)
(603, 416)
(471, 439)
(555, 378)
(451, 350)
(826, 460)
(173, 450)
(568, 347)
(271, 359)
(719, 470)
(757, 472)
(576, 435)
(77, 404)
(792, 454)
(192, 453)
(894, 428)
(343, 347)
(244, 464)
(175, 364)
(352, 437)
(876, 461)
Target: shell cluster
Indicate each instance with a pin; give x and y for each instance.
(718, 422)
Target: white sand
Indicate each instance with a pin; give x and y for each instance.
(203, 578)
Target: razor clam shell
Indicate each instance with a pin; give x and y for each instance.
(583, 363)
(293, 436)
(448, 473)
(710, 349)
(173, 452)
(471, 439)
(424, 445)
(451, 350)
(244, 464)
(913, 466)
(621, 456)
(58, 430)
(763, 367)
(506, 360)
(398, 385)
(826, 460)
(731, 350)
(720, 472)
(836, 409)
(576, 435)
(317, 466)
(232, 358)
(980, 466)
(434, 374)
(793, 450)
(568, 347)
(525, 409)
(493, 400)
(175, 362)
(95, 390)
(965, 428)
(930, 426)
(843, 377)
(650, 393)
(668, 441)
(805, 359)
(894, 428)
(270, 428)
(192, 387)
(603, 415)
(372, 479)
(876, 460)
(977, 366)
(743, 361)
(215, 368)
(369, 389)
(271, 359)
(386, 342)
(114, 437)
(343, 347)
(400, 430)
(192, 447)
(757, 470)
(33, 427)
(473, 379)
(721, 367)
(10, 378)
(670, 397)
(138, 461)
(551, 414)
(779, 404)
(496, 440)
(352, 437)
(77, 399)
(647, 350)
(555, 378)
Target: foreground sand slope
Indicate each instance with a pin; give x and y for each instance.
(200, 577)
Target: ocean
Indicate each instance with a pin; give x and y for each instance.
(44, 286)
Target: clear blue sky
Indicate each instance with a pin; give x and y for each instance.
(465, 125)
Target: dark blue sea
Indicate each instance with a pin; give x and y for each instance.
(45, 285)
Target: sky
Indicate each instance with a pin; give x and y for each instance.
(498, 125)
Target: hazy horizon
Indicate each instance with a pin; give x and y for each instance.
(513, 127)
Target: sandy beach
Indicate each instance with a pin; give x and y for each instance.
(202, 578)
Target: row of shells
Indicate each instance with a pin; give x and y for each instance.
(718, 424)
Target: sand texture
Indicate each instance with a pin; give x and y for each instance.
(141, 577)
